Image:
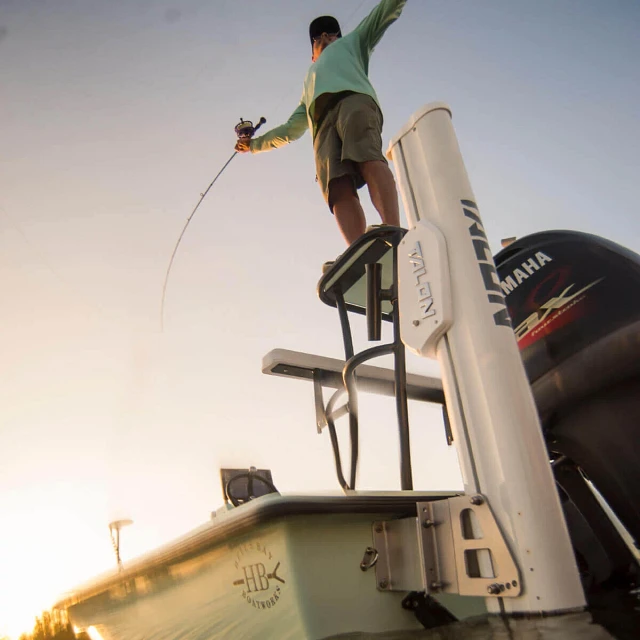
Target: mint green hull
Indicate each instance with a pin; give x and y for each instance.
(250, 575)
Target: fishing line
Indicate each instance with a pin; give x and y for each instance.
(353, 13)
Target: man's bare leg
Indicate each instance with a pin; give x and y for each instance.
(382, 189)
(347, 209)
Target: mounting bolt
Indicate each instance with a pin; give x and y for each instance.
(383, 584)
(416, 323)
(477, 500)
(428, 523)
(436, 586)
(494, 589)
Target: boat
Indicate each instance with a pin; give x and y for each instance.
(539, 351)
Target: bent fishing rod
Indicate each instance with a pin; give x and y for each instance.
(245, 131)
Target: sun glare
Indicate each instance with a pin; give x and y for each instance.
(47, 549)
(94, 634)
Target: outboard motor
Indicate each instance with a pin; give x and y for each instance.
(574, 301)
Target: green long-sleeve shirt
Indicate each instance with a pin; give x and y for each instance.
(343, 66)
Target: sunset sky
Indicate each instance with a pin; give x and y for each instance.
(115, 116)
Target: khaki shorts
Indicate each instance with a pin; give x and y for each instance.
(350, 132)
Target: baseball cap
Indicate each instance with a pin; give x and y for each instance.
(324, 24)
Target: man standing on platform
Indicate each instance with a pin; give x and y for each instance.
(340, 107)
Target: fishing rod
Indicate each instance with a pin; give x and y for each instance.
(245, 131)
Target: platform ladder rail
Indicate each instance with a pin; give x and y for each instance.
(363, 261)
(452, 309)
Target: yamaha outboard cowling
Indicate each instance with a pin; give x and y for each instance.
(574, 301)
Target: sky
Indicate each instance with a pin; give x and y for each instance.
(115, 116)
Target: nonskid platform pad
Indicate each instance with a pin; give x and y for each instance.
(347, 275)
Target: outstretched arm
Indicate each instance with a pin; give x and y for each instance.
(372, 28)
(291, 130)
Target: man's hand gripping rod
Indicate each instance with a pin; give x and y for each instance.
(245, 131)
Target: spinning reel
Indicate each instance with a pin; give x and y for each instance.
(245, 129)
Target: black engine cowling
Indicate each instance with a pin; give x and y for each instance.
(574, 302)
